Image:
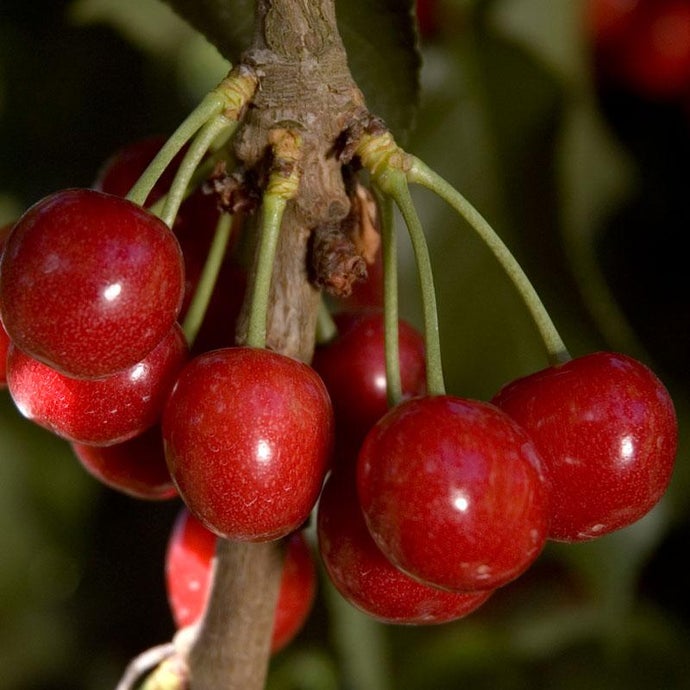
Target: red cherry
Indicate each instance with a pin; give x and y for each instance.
(366, 578)
(190, 551)
(136, 467)
(606, 429)
(655, 57)
(97, 411)
(248, 434)
(4, 338)
(452, 493)
(4, 348)
(297, 591)
(354, 370)
(90, 283)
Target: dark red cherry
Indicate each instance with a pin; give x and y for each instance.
(607, 432)
(248, 435)
(90, 283)
(135, 467)
(354, 370)
(189, 555)
(452, 492)
(366, 578)
(97, 411)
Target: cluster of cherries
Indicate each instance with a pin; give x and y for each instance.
(642, 45)
(422, 509)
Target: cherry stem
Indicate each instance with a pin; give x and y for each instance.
(388, 164)
(419, 173)
(207, 281)
(228, 100)
(283, 184)
(390, 300)
(200, 145)
(208, 108)
(434, 366)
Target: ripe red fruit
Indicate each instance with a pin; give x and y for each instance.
(4, 347)
(135, 467)
(354, 370)
(191, 548)
(90, 283)
(366, 578)
(97, 411)
(248, 434)
(606, 429)
(452, 493)
(4, 338)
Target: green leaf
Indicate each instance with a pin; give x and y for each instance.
(227, 24)
(381, 44)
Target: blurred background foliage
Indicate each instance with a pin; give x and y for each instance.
(585, 181)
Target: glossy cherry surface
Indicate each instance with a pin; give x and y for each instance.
(135, 467)
(190, 550)
(353, 368)
(90, 283)
(97, 411)
(248, 436)
(606, 429)
(366, 578)
(452, 494)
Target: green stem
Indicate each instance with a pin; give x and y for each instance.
(390, 300)
(201, 174)
(201, 144)
(207, 109)
(420, 173)
(207, 281)
(273, 207)
(398, 189)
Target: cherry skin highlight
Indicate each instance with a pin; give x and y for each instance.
(248, 435)
(606, 429)
(90, 283)
(366, 578)
(99, 411)
(135, 467)
(452, 493)
(190, 551)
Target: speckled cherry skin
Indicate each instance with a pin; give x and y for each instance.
(90, 283)
(135, 467)
(606, 429)
(190, 550)
(4, 338)
(353, 367)
(4, 347)
(452, 492)
(97, 411)
(365, 577)
(248, 435)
